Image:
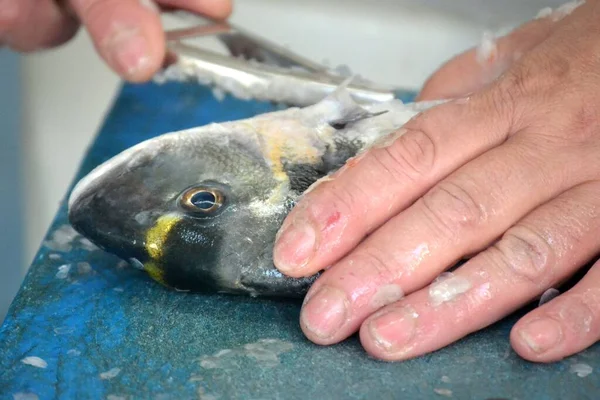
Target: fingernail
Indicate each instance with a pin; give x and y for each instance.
(394, 329)
(325, 312)
(294, 246)
(129, 50)
(541, 334)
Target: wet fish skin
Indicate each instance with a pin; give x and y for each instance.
(138, 205)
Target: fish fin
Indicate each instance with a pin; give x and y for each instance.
(350, 110)
(356, 115)
(341, 95)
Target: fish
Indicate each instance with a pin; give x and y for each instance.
(199, 209)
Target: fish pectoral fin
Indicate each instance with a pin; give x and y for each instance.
(357, 114)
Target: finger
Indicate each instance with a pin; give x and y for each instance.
(474, 69)
(127, 34)
(461, 215)
(28, 25)
(566, 325)
(335, 216)
(542, 250)
(217, 9)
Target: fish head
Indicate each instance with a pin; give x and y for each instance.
(199, 209)
(196, 209)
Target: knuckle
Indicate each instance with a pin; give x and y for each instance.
(578, 312)
(377, 263)
(591, 298)
(512, 93)
(453, 208)
(585, 123)
(10, 15)
(93, 11)
(537, 74)
(526, 256)
(412, 155)
(506, 93)
(517, 93)
(515, 81)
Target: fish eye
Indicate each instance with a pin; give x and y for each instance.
(202, 200)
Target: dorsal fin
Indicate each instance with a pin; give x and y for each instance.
(349, 110)
(341, 95)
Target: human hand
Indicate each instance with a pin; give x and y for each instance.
(126, 33)
(508, 174)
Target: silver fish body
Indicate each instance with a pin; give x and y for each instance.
(199, 209)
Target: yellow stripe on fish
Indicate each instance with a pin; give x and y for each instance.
(158, 234)
(155, 272)
(156, 238)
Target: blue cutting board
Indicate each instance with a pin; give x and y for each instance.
(102, 330)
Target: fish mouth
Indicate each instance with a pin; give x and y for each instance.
(108, 228)
(104, 205)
